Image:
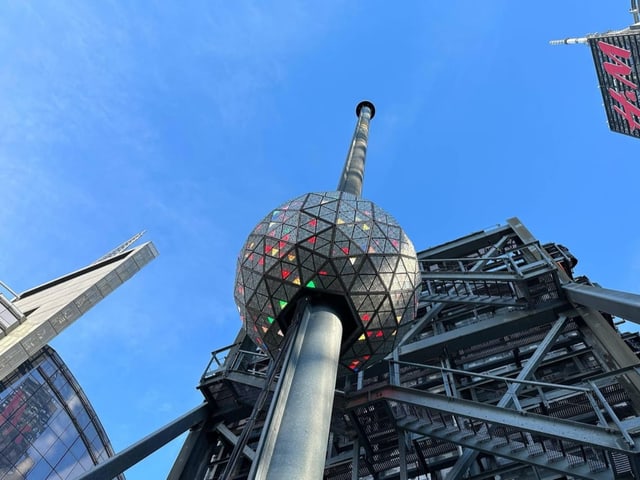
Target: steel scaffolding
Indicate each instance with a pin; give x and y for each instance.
(512, 369)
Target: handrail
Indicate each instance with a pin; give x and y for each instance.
(8, 289)
(494, 377)
(590, 390)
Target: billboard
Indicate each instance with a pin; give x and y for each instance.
(617, 59)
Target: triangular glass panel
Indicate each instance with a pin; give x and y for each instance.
(384, 304)
(313, 211)
(280, 293)
(360, 245)
(312, 200)
(339, 235)
(341, 285)
(364, 207)
(368, 305)
(329, 204)
(323, 248)
(406, 247)
(258, 245)
(305, 219)
(358, 286)
(358, 300)
(343, 266)
(327, 215)
(261, 288)
(367, 281)
(377, 285)
(271, 285)
(291, 289)
(366, 266)
(376, 261)
(329, 282)
(381, 216)
(358, 232)
(275, 230)
(387, 264)
(346, 229)
(249, 278)
(347, 280)
(377, 232)
(297, 203)
(394, 232)
(306, 274)
(377, 245)
(260, 229)
(361, 348)
(349, 202)
(303, 255)
(252, 301)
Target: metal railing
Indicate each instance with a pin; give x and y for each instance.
(225, 359)
(592, 393)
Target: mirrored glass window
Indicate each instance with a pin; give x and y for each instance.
(46, 429)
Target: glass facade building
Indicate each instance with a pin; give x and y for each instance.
(48, 429)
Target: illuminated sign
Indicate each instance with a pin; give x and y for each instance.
(616, 58)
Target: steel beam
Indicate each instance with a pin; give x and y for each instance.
(498, 237)
(529, 422)
(582, 471)
(188, 463)
(462, 246)
(233, 439)
(124, 460)
(614, 351)
(621, 304)
(502, 324)
(468, 456)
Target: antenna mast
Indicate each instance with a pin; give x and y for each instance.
(122, 247)
(633, 10)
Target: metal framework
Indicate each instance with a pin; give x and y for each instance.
(512, 369)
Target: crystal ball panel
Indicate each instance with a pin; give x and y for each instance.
(336, 243)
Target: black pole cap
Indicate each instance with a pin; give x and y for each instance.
(366, 103)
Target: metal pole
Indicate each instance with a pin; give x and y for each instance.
(621, 304)
(569, 41)
(296, 443)
(353, 171)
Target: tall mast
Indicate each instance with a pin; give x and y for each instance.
(353, 172)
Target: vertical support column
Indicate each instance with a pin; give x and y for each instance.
(296, 441)
(355, 460)
(402, 452)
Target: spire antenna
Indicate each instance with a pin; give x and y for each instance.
(353, 171)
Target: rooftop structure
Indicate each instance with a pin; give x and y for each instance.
(30, 320)
(511, 367)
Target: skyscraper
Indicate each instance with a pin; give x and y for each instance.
(48, 428)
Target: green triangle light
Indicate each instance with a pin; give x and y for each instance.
(270, 319)
(282, 303)
(311, 284)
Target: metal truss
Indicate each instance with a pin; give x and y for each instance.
(512, 367)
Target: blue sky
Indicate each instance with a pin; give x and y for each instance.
(192, 120)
